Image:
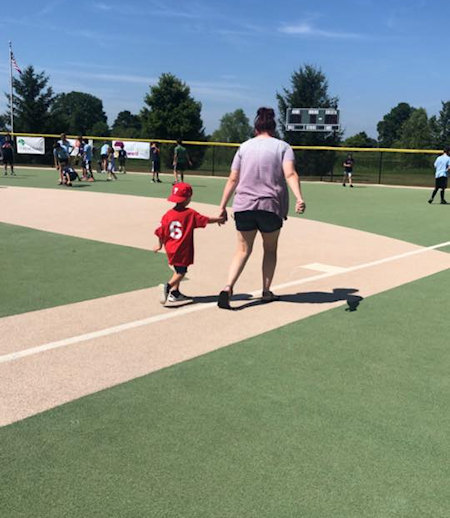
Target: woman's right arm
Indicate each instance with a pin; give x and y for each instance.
(228, 190)
(292, 179)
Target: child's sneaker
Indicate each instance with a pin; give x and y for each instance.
(178, 297)
(164, 293)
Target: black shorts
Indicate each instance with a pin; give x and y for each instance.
(180, 269)
(63, 163)
(103, 157)
(122, 161)
(156, 166)
(441, 182)
(8, 160)
(72, 175)
(261, 220)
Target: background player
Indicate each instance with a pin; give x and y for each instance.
(8, 155)
(442, 166)
(348, 169)
(180, 161)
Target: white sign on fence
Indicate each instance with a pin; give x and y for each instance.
(75, 143)
(31, 145)
(136, 149)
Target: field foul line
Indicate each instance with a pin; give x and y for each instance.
(199, 307)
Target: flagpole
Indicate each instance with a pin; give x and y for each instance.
(11, 88)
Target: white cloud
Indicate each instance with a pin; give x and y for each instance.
(307, 29)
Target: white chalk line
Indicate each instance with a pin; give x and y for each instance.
(200, 307)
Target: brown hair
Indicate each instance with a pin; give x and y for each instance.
(265, 121)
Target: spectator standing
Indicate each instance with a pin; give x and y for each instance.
(348, 169)
(7, 149)
(104, 156)
(122, 157)
(181, 161)
(155, 158)
(61, 157)
(442, 170)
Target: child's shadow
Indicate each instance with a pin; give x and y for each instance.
(315, 297)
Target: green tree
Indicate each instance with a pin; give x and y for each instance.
(416, 134)
(234, 127)
(390, 128)
(440, 126)
(100, 129)
(309, 89)
(32, 101)
(126, 125)
(360, 139)
(416, 131)
(76, 113)
(170, 113)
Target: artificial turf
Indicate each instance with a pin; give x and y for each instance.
(43, 269)
(400, 213)
(344, 414)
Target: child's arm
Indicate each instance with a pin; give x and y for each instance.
(158, 247)
(219, 220)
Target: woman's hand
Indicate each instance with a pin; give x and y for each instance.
(300, 206)
(223, 215)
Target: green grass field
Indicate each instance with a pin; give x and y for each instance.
(42, 269)
(398, 213)
(343, 414)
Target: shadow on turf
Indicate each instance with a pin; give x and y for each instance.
(315, 297)
(310, 297)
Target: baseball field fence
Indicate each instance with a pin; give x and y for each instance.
(412, 167)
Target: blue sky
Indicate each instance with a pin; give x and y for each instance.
(237, 54)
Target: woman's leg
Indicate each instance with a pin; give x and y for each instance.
(241, 255)
(270, 245)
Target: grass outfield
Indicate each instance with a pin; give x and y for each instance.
(42, 269)
(339, 415)
(393, 212)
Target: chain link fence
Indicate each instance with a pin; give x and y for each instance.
(379, 166)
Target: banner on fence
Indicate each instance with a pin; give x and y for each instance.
(75, 143)
(135, 149)
(31, 145)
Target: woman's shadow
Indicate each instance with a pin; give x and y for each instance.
(315, 297)
(308, 297)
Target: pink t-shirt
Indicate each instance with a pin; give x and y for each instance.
(262, 185)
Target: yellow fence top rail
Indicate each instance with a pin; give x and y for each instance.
(233, 144)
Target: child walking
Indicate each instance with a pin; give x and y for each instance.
(111, 165)
(176, 233)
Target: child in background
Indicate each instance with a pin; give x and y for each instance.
(7, 152)
(122, 156)
(176, 233)
(156, 161)
(69, 175)
(111, 164)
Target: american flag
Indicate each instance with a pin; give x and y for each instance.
(14, 63)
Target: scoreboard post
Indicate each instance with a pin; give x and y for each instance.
(312, 119)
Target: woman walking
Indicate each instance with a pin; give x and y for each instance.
(262, 169)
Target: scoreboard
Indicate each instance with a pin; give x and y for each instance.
(312, 119)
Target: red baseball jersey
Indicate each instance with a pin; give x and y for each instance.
(176, 231)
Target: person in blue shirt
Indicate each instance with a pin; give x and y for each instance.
(104, 156)
(61, 157)
(86, 160)
(442, 166)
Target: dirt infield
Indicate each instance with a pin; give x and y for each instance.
(55, 355)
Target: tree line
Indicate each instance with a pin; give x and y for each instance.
(169, 111)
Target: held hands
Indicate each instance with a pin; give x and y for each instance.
(300, 206)
(223, 217)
